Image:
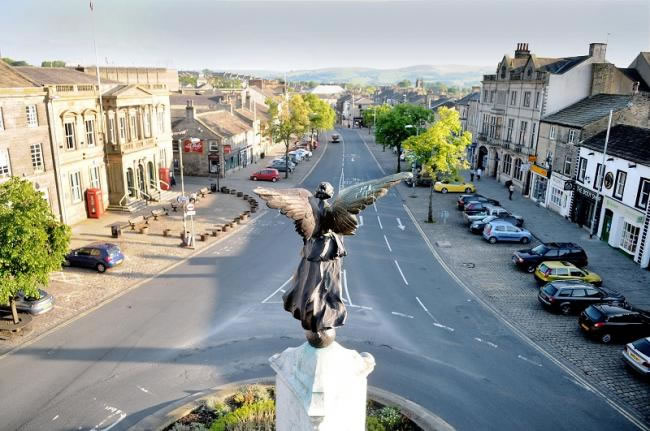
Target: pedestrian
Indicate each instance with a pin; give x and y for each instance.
(172, 182)
(471, 175)
(511, 189)
(478, 174)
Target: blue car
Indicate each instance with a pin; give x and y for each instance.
(498, 230)
(99, 256)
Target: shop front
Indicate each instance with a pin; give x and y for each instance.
(559, 194)
(540, 184)
(621, 226)
(584, 206)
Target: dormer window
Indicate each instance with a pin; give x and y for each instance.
(503, 72)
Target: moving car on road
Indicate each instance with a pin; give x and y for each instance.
(99, 256)
(610, 322)
(456, 187)
(567, 251)
(336, 138)
(499, 230)
(35, 306)
(637, 355)
(266, 174)
(477, 226)
(569, 296)
(548, 271)
(464, 199)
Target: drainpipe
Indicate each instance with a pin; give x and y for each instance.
(55, 157)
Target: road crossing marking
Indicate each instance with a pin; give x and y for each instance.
(277, 290)
(390, 249)
(523, 358)
(401, 273)
(114, 412)
(480, 340)
(402, 314)
(345, 285)
(400, 225)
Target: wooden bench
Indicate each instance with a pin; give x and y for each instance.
(158, 213)
(138, 221)
(204, 191)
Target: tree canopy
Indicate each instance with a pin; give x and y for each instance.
(32, 242)
(405, 83)
(321, 114)
(12, 62)
(288, 120)
(53, 63)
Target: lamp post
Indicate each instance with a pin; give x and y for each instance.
(602, 176)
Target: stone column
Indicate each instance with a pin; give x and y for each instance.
(321, 389)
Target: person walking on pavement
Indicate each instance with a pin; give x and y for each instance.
(471, 175)
(511, 189)
(478, 174)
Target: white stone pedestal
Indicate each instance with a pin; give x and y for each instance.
(321, 389)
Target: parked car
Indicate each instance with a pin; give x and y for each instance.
(294, 158)
(474, 212)
(35, 306)
(610, 322)
(281, 166)
(450, 186)
(637, 355)
(498, 230)
(567, 251)
(548, 271)
(303, 152)
(336, 138)
(464, 199)
(477, 226)
(569, 296)
(266, 174)
(99, 256)
(421, 180)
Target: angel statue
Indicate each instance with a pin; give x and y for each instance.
(315, 297)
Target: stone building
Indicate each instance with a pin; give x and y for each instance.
(25, 146)
(523, 90)
(136, 75)
(467, 107)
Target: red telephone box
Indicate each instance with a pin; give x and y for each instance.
(165, 180)
(94, 203)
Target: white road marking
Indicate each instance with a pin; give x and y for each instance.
(400, 225)
(439, 325)
(283, 291)
(401, 314)
(277, 290)
(360, 220)
(55, 418)
(345, 285)
(586, 388)
(401, 273)
(489, 343)
(371, 153)
(389, 249)
(426, 310)
(114, 412)
(381, 226)
(361, 306)
(374, 205)
(145, 390)
(523, 358)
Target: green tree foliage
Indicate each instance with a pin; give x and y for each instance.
(391, 130)
(12, 62)
(32, 242)
(441, 149)
(258, 416)
(288, 121)
(321, 114)
(405, 83)
(187, 79)
(53, 63)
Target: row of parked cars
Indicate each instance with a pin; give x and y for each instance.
(272, 172)
(565, 285)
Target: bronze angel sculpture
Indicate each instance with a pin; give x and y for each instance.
(315, 297)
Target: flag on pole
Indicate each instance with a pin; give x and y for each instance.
(92, 6)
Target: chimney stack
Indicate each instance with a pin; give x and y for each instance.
(522, 50)
(190, 111)
(597, 51)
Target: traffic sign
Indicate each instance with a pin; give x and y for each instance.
(189, 207)
(190, 213)
(181, 199)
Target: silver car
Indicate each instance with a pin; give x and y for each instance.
(637, 355)
(34, 306)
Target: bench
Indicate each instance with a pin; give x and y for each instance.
(138, 221)
(158, 213)
(204, 191)
(174, 206)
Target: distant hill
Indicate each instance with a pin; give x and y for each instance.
(449, 74)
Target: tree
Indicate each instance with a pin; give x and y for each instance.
(441, 149)
(391, 124)
(288, 120)
(53, 63)
(321, 114)
(405, 83)
(32, 242)
(12, 62)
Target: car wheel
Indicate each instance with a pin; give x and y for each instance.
(66, 262)
(525, 240)
(101, 267)
(274, 179)
(443, 191)
(468, 190)
(531, 269)
(565, 309)
(492, 240)
(606, 338)
(254, 178)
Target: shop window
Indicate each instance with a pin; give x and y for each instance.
(556, 196)
(630, 237)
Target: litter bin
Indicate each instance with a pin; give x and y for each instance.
(116, 230)
(213, 187)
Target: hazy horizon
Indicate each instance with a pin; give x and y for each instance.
(305, 35)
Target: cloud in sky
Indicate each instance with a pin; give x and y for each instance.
(290, 35)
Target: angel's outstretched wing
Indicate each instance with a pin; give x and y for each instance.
(351, 200)
(293, 203)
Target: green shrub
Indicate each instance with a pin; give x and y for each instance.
(259, 416)
(188, 427)
(373, 424)
(390, 418)
(250, 394)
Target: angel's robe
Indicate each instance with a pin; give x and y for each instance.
(315, 297)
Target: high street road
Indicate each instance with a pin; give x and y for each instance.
(218, 317)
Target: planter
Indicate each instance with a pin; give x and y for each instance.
(240, 194)
(166, 232)
(144, 230)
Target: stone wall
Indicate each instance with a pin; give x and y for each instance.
(607, 79)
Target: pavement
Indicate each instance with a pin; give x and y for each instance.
(217, 317)
(488, 271)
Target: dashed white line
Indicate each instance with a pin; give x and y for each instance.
(439, 325)
(145, 390)
(360, 306)
(380, 225)
(523, 358)
(402, 314)
(426, 310)
(55, 418)
(401, 273)
(389, 249)
(345, 285)
(374, 205)
(489, 343)
(360, 220)
(277, 290)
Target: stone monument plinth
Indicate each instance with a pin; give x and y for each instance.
(321, 389)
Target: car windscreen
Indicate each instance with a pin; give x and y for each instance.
(594, 314)
(113, 251)
(540, 249)
(543, 268)
(549, 289)
(643, 346)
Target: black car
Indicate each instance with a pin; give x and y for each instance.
(565, 251)
(569, 296)
(609, 322)
(99, 256)
(477, 226)
(463, 199)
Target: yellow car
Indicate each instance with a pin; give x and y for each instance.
(448, 186)
(558, 270)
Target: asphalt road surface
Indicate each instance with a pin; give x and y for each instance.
(218, 317)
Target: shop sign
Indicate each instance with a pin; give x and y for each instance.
(193, 145)
(213, 156)
(532, 159)
(227, 149)
(586, 192)
(626, 211)
(569, 186)
(539, 171)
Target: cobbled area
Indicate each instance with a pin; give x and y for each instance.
(488, 270)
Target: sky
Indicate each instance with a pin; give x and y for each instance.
(296, 35)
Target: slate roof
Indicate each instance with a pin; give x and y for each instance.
(208, 99)
(470, 97)
(560, 65)
(59, 76)
(9, 78)
(588, 110)
(224, 123)
(626, 142)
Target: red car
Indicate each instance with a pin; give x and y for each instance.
(267, 174)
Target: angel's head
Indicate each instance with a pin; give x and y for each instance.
(324, 191)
